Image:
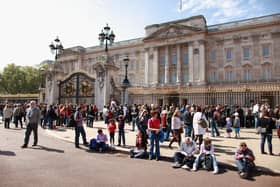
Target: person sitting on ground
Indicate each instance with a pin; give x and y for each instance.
(140, 151)
(184, 157)
(206, 157)
(101, 141)
(244, 160)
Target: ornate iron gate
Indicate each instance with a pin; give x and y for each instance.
(77, 89)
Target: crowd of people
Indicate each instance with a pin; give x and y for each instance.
(156, 124)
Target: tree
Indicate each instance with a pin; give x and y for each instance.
(18, 80)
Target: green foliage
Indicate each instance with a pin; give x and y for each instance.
(18, 80)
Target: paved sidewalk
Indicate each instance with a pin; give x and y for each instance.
(224, 147)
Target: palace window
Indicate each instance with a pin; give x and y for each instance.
(213, 77)
(186, 58)
(228, 54)
(212, 56)
(162, 60)
(267, 73)
(174, 59)
(174, 55)
(229, 76)
(186, 77)
(161, 79)
(173, 77)
(246, 53)
(265, 51)
(247, 75)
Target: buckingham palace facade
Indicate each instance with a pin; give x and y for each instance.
(177, 62)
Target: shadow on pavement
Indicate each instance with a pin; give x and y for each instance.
(40, 147)
(7, 153)
(258, 171)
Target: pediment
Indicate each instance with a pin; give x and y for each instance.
(172, 30)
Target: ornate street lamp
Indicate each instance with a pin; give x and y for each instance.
(107, 37)
(125, 83)
(56, 47)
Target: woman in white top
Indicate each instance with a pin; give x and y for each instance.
(198, 130)
(176, 128)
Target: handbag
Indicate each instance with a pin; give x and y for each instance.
(202, 122)
(261, 130)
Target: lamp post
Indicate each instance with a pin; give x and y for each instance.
(125, 83)
(106, 36)
(56, 47)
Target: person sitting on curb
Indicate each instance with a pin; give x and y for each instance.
(101, 141)
(99, 144)
(184, 157)
(244, 160)
(140, 151)
(206, 157)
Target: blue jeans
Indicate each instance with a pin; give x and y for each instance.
(256, 120)
(243, 165)
(80, 130)
(133, 123)
(197, 161)
(102, 146)
(154, 139)
(269, 140)
(168, 131)
(214, 128)
(188, 130)
(138, 154)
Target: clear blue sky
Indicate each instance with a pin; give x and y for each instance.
(29, 26)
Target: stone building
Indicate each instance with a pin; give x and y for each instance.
(178, 62)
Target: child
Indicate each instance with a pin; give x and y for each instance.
(228, 127)
(140, 151)
(236, 125)
(112, 128)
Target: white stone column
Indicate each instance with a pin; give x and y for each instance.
(179, 61)
(155, 66)
(190, 53)
(202, 61)
(146, 70)
(166, 68)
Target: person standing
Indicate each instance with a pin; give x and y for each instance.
(112, 128)
(121, 124)
(188, 121)
(176, 128)
(17, 113)
(7, 115)
(79, 128)
(198, 130)
(33, 117)
(266, 125)
(154, 130)
(236, 125)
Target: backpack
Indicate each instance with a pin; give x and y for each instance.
(208, 162)
(93, 145)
